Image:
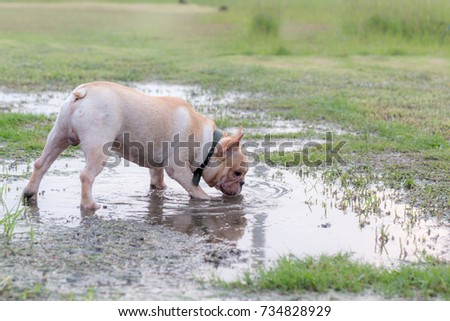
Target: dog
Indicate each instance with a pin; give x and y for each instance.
(160, 133)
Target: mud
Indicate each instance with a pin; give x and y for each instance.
(161, 245)
(155, 245)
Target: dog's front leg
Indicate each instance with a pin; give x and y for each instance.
(197, 192)
(157, 178)
(94, 165)
(183, 176)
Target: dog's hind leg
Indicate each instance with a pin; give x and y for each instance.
(56, 143)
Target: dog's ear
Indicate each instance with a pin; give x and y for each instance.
(231, 142)
(235, 139)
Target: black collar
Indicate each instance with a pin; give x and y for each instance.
(199, 171)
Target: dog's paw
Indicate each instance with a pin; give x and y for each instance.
(29, 198)
(28, 193)
(158, 186)
(89, 207)
(201, 197)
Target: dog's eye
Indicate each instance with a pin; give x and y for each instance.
(237, 173)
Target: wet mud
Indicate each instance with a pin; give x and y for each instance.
(160, 245)
(150, 245)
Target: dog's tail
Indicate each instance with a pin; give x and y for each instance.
(67, 109)
(69, 106)
(78, 93)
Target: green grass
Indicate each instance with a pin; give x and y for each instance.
(48, 45)
(23, 135)
(338, 273)
(9, 217)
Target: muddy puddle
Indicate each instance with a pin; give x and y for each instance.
(161, 245)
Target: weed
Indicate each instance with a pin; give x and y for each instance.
(10, 217)
(37, 292)
(265, 23)
(90, 294)
(9, 291)
(282, 51)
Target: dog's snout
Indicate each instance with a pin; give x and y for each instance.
(242, 183)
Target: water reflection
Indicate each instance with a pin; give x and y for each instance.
(217, 220)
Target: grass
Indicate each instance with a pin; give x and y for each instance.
(9, 218)
(47, 45)
(8, 291)
(38, 291)
(23, 134)
(319, 274)
(378, 70)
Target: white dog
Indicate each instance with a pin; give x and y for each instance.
(155, 132)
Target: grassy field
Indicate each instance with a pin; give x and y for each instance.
(48, 45)
(378, 69)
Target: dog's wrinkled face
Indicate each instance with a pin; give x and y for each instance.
(229, 166)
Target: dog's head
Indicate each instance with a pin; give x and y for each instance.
(228, 166)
